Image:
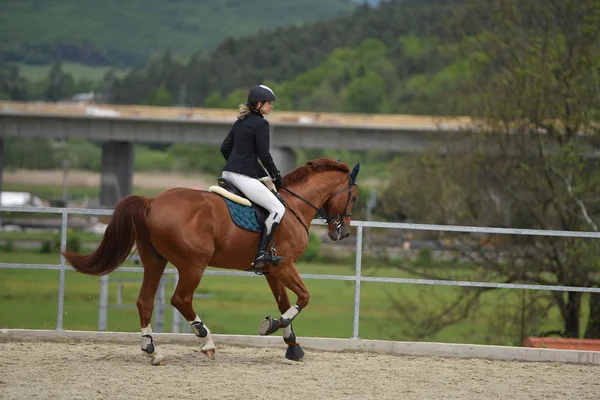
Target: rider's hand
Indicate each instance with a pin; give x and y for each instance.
(277, 180)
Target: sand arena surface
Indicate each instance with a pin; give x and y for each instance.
(45, 370)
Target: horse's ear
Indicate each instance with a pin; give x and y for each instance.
(354, 172)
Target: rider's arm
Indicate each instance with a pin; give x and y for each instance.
(227, 145)
(262, 148)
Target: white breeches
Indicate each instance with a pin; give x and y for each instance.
(257, 192)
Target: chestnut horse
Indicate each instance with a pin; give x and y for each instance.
(193, 229)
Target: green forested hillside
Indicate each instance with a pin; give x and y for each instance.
(283, 54)
(374, 60)
(390, 58)
(113, 32)
(415, 77)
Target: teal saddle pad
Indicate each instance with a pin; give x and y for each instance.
(244, 216)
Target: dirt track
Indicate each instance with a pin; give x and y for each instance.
(91, 179)
(102, 370)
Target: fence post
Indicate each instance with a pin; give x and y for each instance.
(119, 293)
(159, 306)
(176, 315)
(103, 307)
(358, 263)
(61, 279)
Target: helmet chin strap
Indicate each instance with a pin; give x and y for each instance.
(257, 109)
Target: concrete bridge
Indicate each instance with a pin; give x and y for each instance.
(119, 127)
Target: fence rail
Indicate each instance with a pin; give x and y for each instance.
(357, 277)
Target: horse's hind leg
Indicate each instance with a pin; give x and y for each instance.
(294, 351)
(154, 266)
(189, 279)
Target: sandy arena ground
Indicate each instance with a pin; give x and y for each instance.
(45, 370)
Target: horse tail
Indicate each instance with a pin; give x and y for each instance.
(118, 240)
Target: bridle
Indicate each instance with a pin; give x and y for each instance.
(337, 219)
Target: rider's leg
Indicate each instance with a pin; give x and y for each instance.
(258, 193)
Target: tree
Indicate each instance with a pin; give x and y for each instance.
(12, 85)
(533, 86)
(364, 94)
(162, 97)
(60, 84)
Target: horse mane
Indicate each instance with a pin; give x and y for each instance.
(302, 173)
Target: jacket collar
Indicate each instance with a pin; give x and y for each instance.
(255, 112)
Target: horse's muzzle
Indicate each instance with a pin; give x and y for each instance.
(341, 232)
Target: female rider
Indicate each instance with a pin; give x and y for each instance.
(247, 142)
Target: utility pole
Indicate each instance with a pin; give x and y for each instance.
(65, 166)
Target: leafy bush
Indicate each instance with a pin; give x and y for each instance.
(74, 243)
(152, 160)
(197, 157)
(424, 257)
(53, 245)
(47, 246)
(8, 246)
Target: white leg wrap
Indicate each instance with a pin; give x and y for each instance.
(287, 331)
(291, 313)
(207, 342)
(148, 346)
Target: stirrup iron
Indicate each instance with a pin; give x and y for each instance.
(275, 259)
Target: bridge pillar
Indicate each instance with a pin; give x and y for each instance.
(1, 171)
(284, 158)
(1, 164)
(117, 172)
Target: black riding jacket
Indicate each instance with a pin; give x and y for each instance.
(247, 142)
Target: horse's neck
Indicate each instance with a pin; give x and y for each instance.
(316, 190)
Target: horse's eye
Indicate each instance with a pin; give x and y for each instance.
(353, 199)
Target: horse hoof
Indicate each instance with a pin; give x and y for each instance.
(267, 326)
(294, 353)
(209, 352)
(158, 360)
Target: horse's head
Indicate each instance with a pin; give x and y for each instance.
(338, 208)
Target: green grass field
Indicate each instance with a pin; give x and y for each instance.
(237, 304)
(83, 236)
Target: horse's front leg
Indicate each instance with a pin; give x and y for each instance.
(277, 283)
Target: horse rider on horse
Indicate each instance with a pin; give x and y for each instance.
(247, 142)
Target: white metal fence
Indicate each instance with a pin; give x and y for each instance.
(357, 277)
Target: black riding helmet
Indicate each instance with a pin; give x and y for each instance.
(261, 93)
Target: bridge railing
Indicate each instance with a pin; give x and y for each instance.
(357, 277)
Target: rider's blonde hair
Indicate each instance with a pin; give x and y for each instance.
(243, 111)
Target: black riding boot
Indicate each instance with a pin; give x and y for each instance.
(263, 255)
